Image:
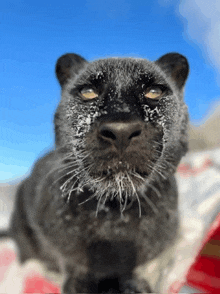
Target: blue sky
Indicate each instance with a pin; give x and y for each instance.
(35, 33)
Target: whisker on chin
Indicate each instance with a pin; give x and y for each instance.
(155, 190)
(122, 186)
(135, 193)
(88, 199)
(120, 191)
(135, 174)
(64, 185)
(71, 190)
(61, 177)
(150, 203)
(98, 205)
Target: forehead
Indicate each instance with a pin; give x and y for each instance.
(121, 71)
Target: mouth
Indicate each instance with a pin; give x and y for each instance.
(122, 176)
(121, 185)
(111, 173)
(110, 182)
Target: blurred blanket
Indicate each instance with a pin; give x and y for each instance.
(198, 244)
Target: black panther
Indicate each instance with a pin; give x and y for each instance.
(104, 202)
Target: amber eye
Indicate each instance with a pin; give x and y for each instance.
(88, 94)
(153, 92)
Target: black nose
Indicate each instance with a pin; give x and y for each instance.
(120, 134)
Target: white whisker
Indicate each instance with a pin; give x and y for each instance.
(155, 190)
(135, 193)
(153, 207)
(98, 205)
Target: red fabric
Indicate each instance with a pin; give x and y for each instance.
(204, 275)
(7, 256)
(33, 283)
(205, 272)
(37, 284)
(186, 170)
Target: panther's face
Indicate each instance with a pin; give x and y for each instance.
(123, 121)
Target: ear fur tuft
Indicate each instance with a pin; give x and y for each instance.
(68, 65)
(176, 66)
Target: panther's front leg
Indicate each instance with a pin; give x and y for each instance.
(135, 286)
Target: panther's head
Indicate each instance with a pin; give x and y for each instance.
(123, 121)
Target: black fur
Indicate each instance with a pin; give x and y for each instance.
(105, 200)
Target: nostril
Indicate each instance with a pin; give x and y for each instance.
(119, 134)
(108, 134)
(135, 134)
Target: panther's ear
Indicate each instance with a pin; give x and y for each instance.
(175, 66)
(68, 65)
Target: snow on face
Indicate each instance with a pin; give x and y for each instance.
(120, 84)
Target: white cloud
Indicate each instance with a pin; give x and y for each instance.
(202, 25)
(202, 19)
